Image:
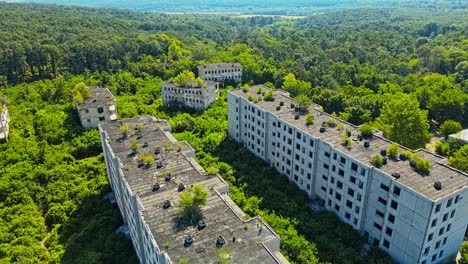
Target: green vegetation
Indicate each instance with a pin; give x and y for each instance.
(81, 92)
(393, 150)
(464, 253)
(389, 68)
(269, 95)
(442, 148)
(377, 160)
(185, 79)
(450, 127)
(421, 165)
(402, 121)
(303, 102)
(366, 130)
(459, 159)
(224, 255)
(134, 145)
(309, 119)
(190, 202)
(260, 90)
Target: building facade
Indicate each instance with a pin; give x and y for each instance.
(4, 122)
(148, 198)
(199, 97)
(99, 108)
(221, 72)
(414, 218)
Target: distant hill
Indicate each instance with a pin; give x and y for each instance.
(271, 7)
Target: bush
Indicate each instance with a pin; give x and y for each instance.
(464, 253)
(393, 150)
(366, 130)
(377, 160)
(330, 122)
(442, 148)
(408, 154)
(269, 95)
(255, 99)
(450, 127)
(260, 90)
(421, 165)
(309, 119)
(245, 88)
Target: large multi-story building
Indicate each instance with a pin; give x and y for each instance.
(221, 72)
(197, 96)
(4, 121)
(415, 218)
(148, 198)
(98, 108)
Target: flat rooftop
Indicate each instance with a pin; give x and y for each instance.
(462, 135)
(99, 97)
(194, 85)
(221, 215)
(452, 180)
(219, 66)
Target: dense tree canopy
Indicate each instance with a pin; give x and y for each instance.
(397, 70)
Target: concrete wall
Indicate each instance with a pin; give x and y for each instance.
(197, 98)
(221, 74)
(92, 116)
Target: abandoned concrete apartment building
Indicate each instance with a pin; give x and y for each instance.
(415, 218)
(99, 108)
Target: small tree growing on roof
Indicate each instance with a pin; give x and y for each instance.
(184, 79)
(309, 120)
(134, 145)
(259, 90)
(245, 88)
(81, 92)
(268, 95)
(190, 202)
(303, 102)
(393, 150)
(124, 130)
(366, 130)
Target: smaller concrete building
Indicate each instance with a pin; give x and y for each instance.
(461, 136)
(4, 121)
(196, 96)
(97, 109)
(221, 72)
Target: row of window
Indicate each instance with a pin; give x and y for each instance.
(170, 97)
(444, 218)
(223, 78)
(181, 91)
(101, 118)
(396, 189)
(449, 203)
(222, 71)
(100, 110)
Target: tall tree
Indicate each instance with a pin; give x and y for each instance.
(402, 121)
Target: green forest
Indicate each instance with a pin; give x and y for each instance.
(381, 67)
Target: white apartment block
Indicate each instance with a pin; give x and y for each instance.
(221, 72)
(404, 213)
(199, 97)
(4, 122)
(148, 199)
(99, 108)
